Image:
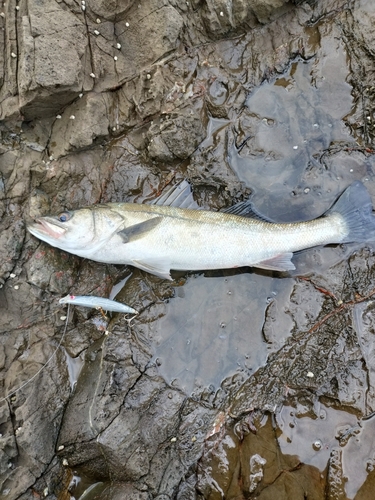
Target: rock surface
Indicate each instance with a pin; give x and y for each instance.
(233, 384)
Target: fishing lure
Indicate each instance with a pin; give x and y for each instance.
(97, 303)
(85, 301)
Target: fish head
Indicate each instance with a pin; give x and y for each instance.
(72, 231)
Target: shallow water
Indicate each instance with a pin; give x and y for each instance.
(212, 327)
(288, 124)
(314, 439)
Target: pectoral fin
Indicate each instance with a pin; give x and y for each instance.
(280, 262)
(159, 267)
(137, 231)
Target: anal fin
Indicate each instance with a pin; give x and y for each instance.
(281, 262)
(158, 267)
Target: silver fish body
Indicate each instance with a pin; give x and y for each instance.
(160, 238)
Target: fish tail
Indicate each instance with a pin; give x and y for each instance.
(355, 206)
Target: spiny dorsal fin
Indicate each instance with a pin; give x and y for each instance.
(179, 196)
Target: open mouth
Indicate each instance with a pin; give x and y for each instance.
(42, 226)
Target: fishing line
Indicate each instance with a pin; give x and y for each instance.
(45, 364)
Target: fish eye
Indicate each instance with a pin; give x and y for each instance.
(64, 216)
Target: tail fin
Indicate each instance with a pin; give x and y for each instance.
(355, 206)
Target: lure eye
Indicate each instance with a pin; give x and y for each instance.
(64, 216)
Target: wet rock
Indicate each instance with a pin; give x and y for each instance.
(120, 491)
(162, 25)
(324, 361)
(366, 489)
(220, 94)
(36, 134)
(266, 10)
(39, 204)
(110, 11)
(52, 270)
(234, 468)
(149, 449)
(47, 81)
(17, 183)
(33, 415)
(136, 427)
(336, 488)
(256, 471)
(221, 18)
(177, 136)
(81, 124)
(149, 92)
(8, 442)
(72, 181)
(360, 47)
(214, 179)
(12, 234)
(362, 319)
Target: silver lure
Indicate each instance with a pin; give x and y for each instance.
(97, 303)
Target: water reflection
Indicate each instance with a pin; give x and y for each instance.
(287, 125)
(314, 438)
(213, 327)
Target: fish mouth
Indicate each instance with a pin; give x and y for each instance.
(48, 227)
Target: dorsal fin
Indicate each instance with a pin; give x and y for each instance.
(177, 196)
(246, 209)
(181, 196)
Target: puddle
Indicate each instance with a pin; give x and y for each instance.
(213, 327)
(214, 126)
(283, 132)
(314, 440)
(325, 453)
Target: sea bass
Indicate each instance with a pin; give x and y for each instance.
(160, 238)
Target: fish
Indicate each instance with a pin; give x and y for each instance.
(97, 303)
(177, 235)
